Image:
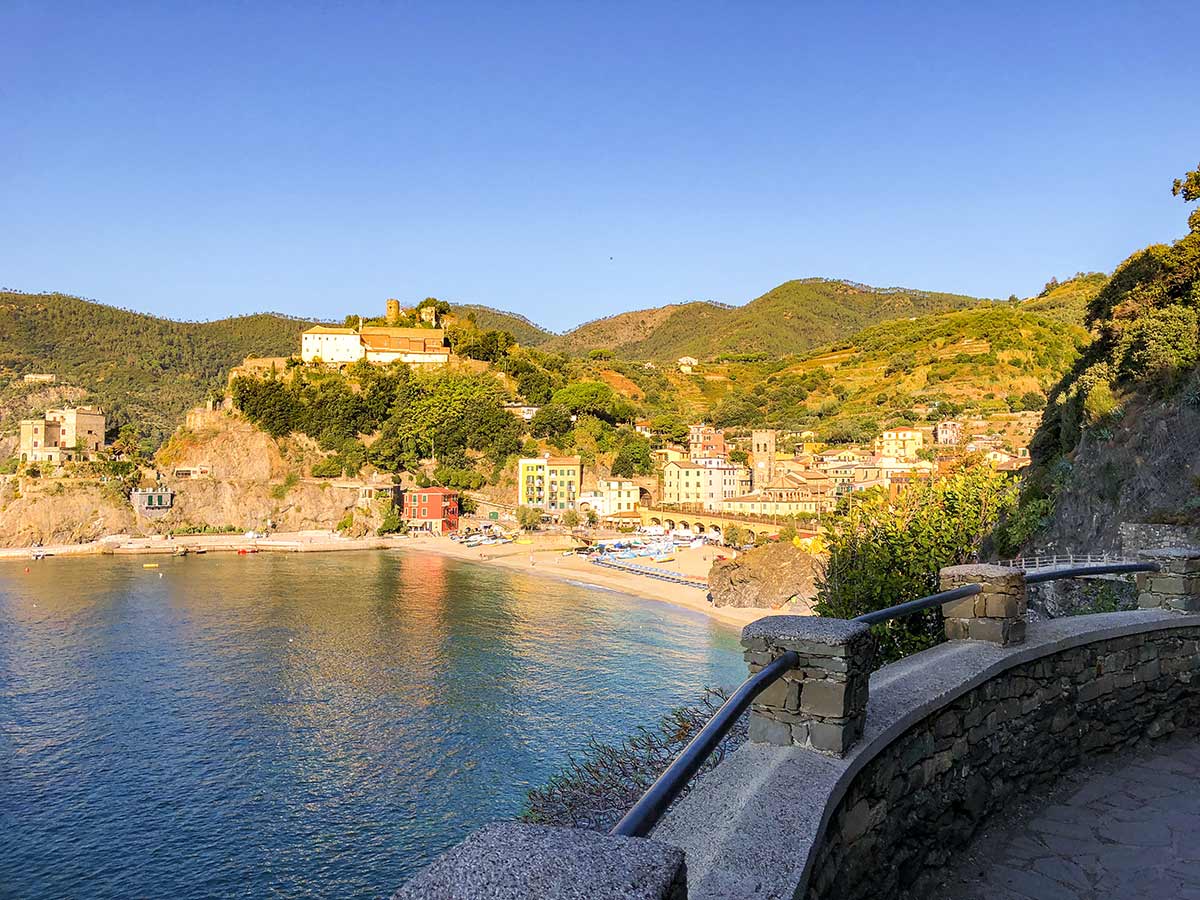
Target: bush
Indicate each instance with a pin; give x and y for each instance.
(595, 789)
(327, 468)
(391, 523)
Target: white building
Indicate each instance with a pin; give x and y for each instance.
(331, 345)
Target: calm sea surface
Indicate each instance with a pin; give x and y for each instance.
(298, 725)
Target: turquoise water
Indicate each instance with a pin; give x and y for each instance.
(298, 725)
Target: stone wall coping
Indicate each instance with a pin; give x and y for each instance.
(979, 570)
(515, 860)
(1171, 553)
(780, 630)
(749, 829)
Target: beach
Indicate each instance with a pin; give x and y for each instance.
(544, 558)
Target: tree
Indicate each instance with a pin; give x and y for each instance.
(529, 517)
(570, 519)
(1033, 401)
(734, 535)
(633, 458)
(551, 420)
(882, 553)
(535, 386)
(593, 518)
(1188, 187)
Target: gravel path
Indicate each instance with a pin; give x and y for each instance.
(1124, 829)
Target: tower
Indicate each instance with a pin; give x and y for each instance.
(762, 450)
(393, 309)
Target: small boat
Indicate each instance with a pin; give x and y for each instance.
(181, 551)
(666, 557)
(149, 565)
(40, 554)
(243, 551)
(200, 550)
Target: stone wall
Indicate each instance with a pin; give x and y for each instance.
(1139, 536)
(923, 796)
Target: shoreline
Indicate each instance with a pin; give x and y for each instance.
(542, 557)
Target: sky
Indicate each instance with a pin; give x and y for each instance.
(569, 160)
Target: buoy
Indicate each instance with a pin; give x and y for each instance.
(27, 570)
(160, 574)
(149, 565)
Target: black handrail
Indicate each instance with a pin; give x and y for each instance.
(912, 606)
(648, 810)
(644, 815)
(1078, 571)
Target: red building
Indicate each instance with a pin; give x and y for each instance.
(431, 509)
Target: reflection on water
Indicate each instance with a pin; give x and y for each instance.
(291, 725)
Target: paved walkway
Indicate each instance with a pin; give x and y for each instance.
(1126, 829)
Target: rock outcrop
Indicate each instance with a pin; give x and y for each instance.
(766, 577)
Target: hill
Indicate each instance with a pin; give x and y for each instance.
(1068, 301)
(794, 317)
(526, 332)
(142, 369)
(994, 360)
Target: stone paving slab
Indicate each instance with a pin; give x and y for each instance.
(1126, 828)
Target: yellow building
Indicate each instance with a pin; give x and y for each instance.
(549, 482)
(683, 483)
(899, 443)
(62, 434)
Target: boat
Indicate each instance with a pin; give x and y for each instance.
(181, 551)
(246, 550)
(199, 550)
(40, 554)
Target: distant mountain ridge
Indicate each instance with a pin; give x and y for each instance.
(794, 317)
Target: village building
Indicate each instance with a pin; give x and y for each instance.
(900, 443)
(791, 494)
(433, 509)
(687, 364)
(322, 344)
(522, 411)
(152, 503)
(549, 482)
(699, 486)
(706, 442)
(642, 427)
(39, 378)
(665, 455)
(948, 433)
(611, 499)
(62, 434)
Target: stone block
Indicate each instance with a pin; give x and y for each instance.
(510, 860)
(997, 631)
(1175, 584)
(824, 698)
(1151, 600)
(959, 609)
(764, 730)
(1186, 603)
(782, 693)
(834, 738)
(956, 629)
(1004, 606)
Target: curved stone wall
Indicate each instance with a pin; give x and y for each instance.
(924, 794)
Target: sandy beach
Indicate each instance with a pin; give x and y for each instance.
(544, 558)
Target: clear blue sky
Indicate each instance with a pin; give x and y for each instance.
(570, 160)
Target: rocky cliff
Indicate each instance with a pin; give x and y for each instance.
(1143, 468)
(766, 577)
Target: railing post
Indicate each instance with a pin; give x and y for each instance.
(995, 614)
(822, 703)
(1176, 584)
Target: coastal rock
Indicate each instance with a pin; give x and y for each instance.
(764, 578)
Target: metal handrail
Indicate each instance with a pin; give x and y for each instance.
(912, 606)
(1081, 571)
(647, 811)
(644, 815)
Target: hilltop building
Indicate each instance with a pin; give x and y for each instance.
(687, 364)
(62, 434)
(39, 378)
(433, 509)
(375, 343)
(549, 482)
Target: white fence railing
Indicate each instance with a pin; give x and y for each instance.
(1042, 563)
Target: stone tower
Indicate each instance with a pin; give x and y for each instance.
(393, 309)
(762, 455)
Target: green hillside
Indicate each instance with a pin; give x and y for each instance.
(142, 369)
(792, 318)
(1068, 301)
(994, 359)
(526, 332)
